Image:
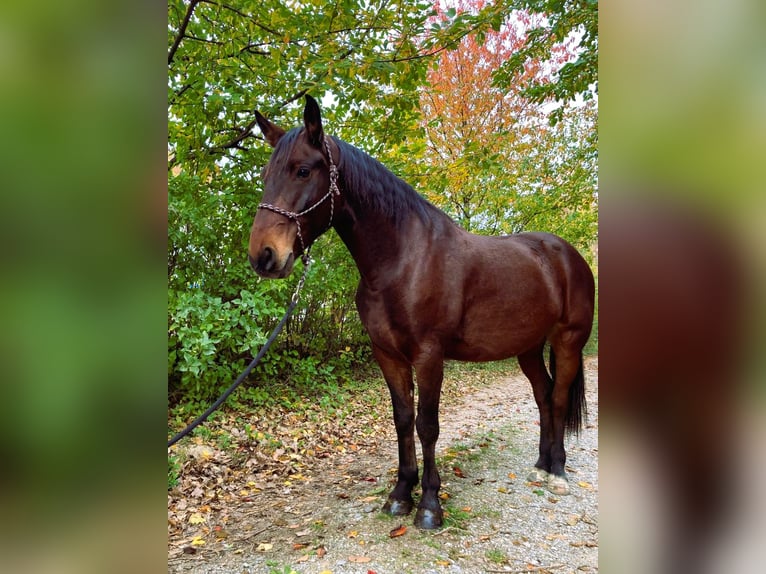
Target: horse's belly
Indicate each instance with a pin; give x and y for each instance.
(480, 355)
(491, 348)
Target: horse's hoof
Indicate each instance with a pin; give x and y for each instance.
(398, 507)
(537, 475)
(558, 485)
(428, 519)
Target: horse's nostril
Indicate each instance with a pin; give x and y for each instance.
(266, 260)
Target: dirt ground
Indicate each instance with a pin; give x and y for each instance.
(326, 519)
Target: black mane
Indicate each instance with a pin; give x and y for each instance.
(366, 182)
(376, 188)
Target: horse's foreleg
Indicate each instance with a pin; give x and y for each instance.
(398, 377)
(429, 378)
(533, 366)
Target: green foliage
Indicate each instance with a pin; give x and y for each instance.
(202, 329)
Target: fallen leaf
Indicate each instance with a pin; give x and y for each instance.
(556, 537)
(197, 541)
(511, 475)
(264, 547)
(458, 472)
(442, 562)
(321, 552)
(444, 496)
(586, 485)
(587, 544)
(398, 531)
(196, 518)
(299, 546)
(353, 534)
(359, 559)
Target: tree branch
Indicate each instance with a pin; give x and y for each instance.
(244, 132)
(182, 30)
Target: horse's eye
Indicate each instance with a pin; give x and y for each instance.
(303, 172)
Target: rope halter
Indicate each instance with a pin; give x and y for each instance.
(333, 190)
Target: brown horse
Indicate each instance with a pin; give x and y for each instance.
(430, 291)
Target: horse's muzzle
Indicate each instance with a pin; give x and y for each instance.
(267, 264)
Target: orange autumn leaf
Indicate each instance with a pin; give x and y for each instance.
(398, 531)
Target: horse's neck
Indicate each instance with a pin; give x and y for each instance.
(380, 239)
(374, 242)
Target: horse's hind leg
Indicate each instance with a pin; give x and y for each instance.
(533, 366)
(398, 375)
(568, 407)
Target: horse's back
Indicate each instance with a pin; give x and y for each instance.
(546, 258)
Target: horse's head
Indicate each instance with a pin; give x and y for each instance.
(298, 202)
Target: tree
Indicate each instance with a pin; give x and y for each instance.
(494, 162)
(560, 20)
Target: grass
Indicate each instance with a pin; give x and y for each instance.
(276, 568)
(496, 556)
(455, 517)
(174, 471)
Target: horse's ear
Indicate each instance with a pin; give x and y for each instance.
(312, 119)
(271, 132)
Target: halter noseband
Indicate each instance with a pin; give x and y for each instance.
(333, 190)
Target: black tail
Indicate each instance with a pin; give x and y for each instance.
(578, 409)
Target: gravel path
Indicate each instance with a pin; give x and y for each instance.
(327, 520)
